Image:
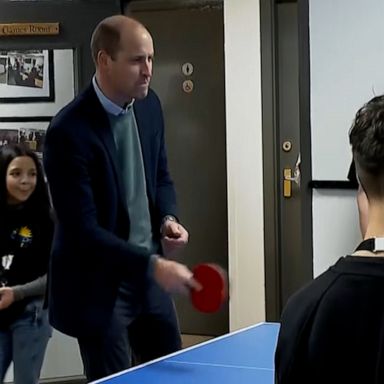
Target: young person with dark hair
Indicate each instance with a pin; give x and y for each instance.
(26, 232)
(332, 330)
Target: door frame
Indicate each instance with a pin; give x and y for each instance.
(161, 5)
(272, 174)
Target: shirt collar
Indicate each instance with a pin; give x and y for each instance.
(107, 103)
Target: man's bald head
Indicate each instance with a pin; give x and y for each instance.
(107, 34)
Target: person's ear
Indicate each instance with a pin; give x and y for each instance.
(103, 59)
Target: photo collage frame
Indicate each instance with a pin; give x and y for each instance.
(26, 77)
(27, 131)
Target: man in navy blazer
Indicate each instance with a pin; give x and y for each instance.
(116, 212)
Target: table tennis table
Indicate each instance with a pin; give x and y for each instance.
(241, 357)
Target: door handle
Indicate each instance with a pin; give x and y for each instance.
(290, 176)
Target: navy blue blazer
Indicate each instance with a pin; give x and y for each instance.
(90, 254)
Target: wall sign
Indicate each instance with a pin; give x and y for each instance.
(23, 29)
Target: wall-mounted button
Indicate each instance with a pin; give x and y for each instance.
(188, 86)
(187, 69)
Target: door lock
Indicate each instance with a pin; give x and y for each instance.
(287, 183)
(289, 176)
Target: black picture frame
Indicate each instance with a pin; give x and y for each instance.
(28, 130)
(26, 84)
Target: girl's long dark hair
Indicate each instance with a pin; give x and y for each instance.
(39, 199)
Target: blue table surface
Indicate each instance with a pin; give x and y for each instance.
(242, 357)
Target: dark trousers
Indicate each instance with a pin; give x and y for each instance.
(143, 327)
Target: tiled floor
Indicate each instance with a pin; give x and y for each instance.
(189, 340)
(64, 381)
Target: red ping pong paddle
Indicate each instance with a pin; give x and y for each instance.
(214, 292)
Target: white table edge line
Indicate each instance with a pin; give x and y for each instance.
(182, 351)
(218, 365)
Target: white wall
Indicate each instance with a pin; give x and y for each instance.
(335, 227)
(347, 56)
(62, 358)
(244, 162)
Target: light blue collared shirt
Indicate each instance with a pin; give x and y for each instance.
(108, 104)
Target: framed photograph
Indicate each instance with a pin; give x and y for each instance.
(29, 132)
(26, 76)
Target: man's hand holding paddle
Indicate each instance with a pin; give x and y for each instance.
(174, 277)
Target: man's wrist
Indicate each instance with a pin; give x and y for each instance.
(170, 218)
(165, 219)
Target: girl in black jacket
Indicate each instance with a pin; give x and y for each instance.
(26, 232)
